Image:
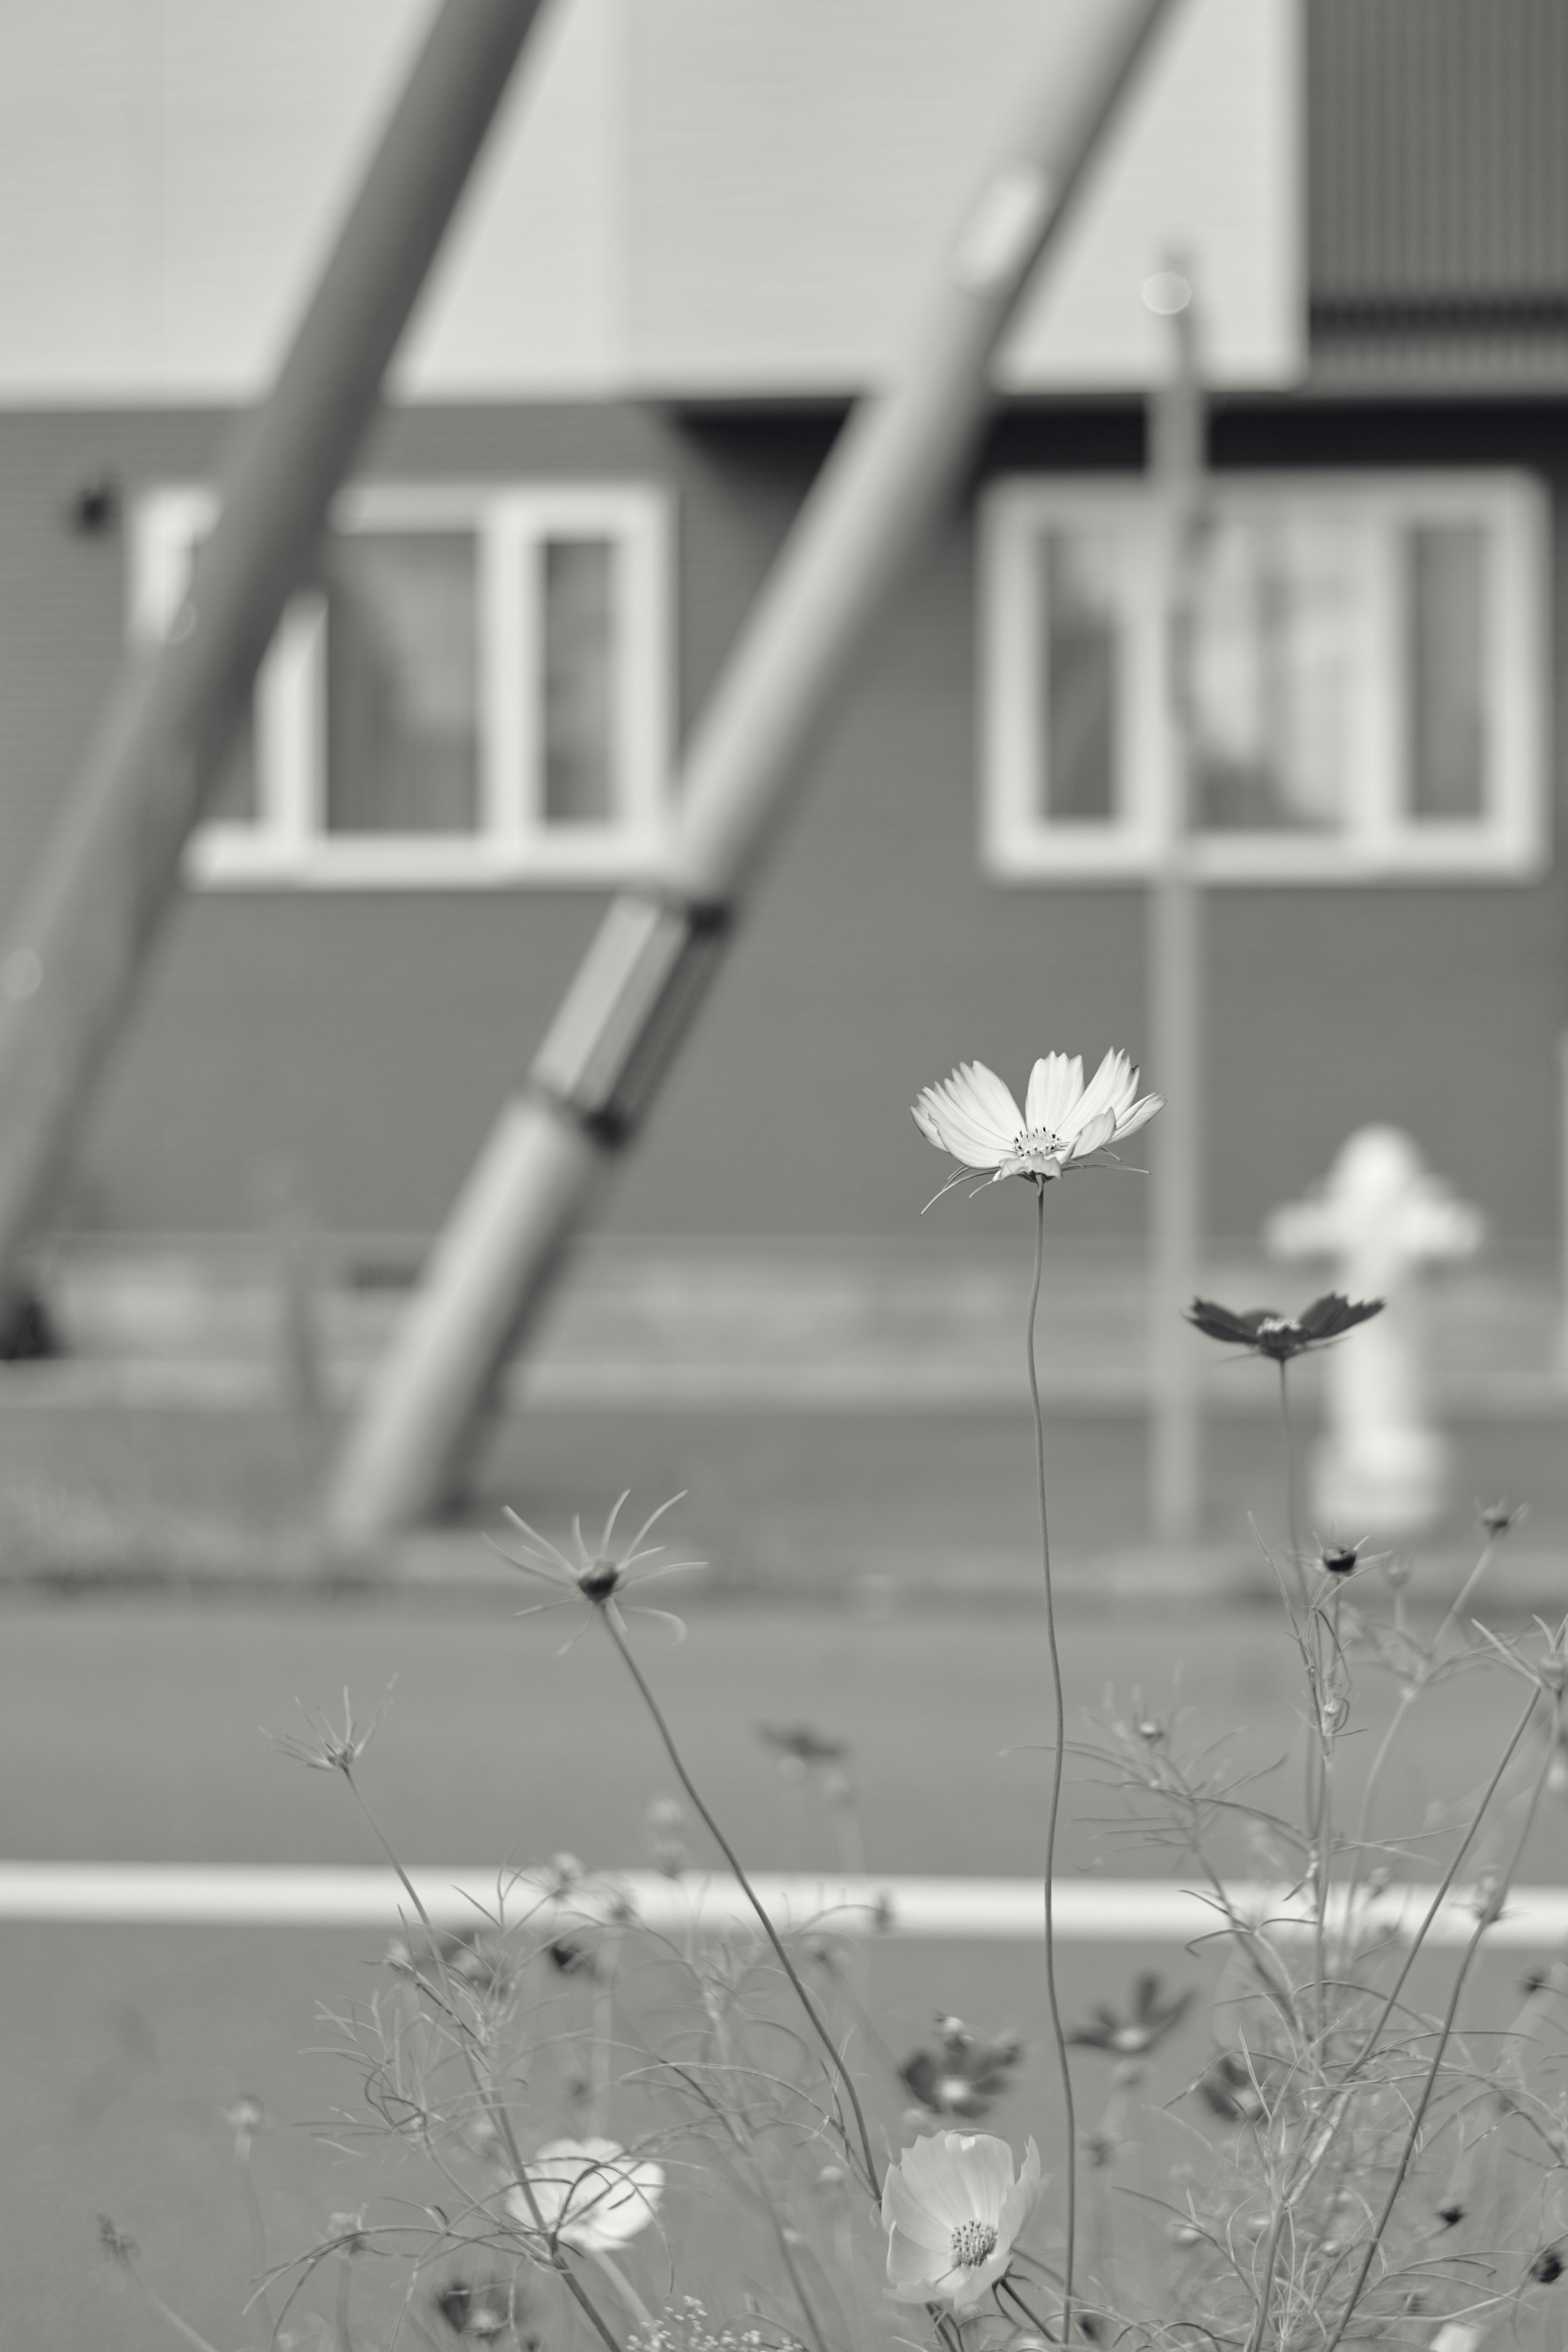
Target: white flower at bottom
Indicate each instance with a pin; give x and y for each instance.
(1062, 1123)
(590, 2193)
(952, 2209)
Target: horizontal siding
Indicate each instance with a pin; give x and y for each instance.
(369, 1040)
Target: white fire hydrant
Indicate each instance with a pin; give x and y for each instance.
(1381, 1216)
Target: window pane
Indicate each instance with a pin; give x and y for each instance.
(232, 801)
(1280, 615)
(578, 731)
(1078, 676)
(402, 682)
(233, 797)
(1445, 585)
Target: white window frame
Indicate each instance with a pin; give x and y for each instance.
(1511, 842)
(513, 843)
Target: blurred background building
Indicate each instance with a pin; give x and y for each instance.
(696, 237)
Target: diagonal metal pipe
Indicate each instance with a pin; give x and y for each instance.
(894, 468)
(81, 943)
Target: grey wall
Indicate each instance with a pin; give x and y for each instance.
(369, 1037)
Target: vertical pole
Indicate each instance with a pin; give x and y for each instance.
(1563, 1204)
(625, 1012)
(82, 938)
(1174, 958)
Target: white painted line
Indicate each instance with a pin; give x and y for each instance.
(975, 1909)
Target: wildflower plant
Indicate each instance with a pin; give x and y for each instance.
(699, 2137)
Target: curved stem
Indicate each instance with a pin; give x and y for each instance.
(1059, 1759)
(622, 2285)
(845, 2079)
(1488, 1914)
(493, 2105)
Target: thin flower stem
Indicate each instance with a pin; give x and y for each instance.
(1490, 1913)
(1292, 1513)
(1058, 1760)
(1440, 1898)
(345, 2339)
(494, 2106)
(621, 2283)
(1412, 1690)
(170, 2316)
(845, 2079)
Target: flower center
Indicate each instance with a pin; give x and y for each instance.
(1273, 1325)
(599, 1580)
(973, 2242)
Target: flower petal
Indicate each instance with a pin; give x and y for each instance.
(1095, 1135)
(992, 1100)
(988, 2165)
(1139, 1115)
(911, 2258)
(1112, 1088)
(903, 2208)
(1055, 1083)
(971, 1115)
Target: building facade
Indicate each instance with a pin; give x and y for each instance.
(468, 727)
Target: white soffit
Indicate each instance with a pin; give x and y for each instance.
(680, 196)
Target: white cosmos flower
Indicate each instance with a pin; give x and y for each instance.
(590, 2193)
(1063, 1123)
(952, 2210)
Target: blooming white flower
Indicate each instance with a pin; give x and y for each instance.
(1063, 1122)
(590, 2193)
(952, 2210)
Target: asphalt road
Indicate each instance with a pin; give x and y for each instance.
(133, 1731)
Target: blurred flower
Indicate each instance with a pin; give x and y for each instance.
(800, 1748)
(1497, 1518)
(1340, 1559)
(349, 2231)
(664, 1836)
(485, 2310)
(590, 2193)
(1146, 2024)
(952, 2209)
(1547, 2267)
(963, 2074)
(1279, 1337)
(115, 2243)
(1063, 1122)
(245, 2119)
(1455, 2335)
(596, 1575)
(1228, 2089)
(322, 1746)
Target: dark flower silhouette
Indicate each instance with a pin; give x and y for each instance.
(964, 2073)
(1228, 2089)
(1148, 2021)
(1267, 1332)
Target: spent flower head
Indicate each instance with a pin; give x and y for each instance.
(1063, 1124)
(596, 1573)
(322, 1746)
(1266, 1332)
(952, 2209)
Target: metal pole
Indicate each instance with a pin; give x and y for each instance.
(1175, 969)
(894, 465)
(80, 942)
